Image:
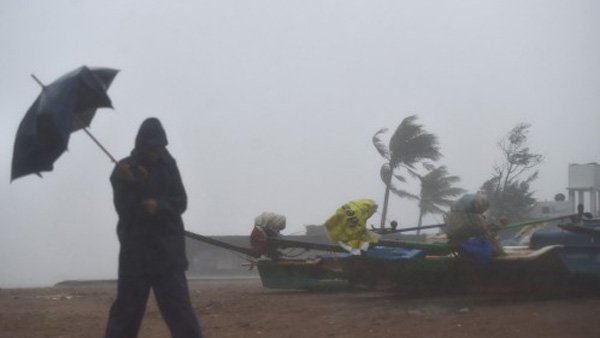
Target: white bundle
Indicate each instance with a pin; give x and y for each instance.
(271, 221)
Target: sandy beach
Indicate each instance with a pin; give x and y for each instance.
(243, 308)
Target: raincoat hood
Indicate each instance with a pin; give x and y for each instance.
(151, 132)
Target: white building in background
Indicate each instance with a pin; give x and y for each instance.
(584, 185)
(584, 188)
(545, 209)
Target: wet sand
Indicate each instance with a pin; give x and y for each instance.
(243, 308)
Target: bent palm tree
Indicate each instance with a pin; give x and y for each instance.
(409, 145)
(437, 192)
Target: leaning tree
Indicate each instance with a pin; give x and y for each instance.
(409, 146)
(508, 188)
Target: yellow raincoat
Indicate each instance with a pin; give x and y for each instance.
(348, 225)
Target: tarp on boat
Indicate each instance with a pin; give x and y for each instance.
(388, 253)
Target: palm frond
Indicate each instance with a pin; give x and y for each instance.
(453, 192)
(437, 190)
(379, 145)
(410, 144)
(413, 173)
(400, 178)
(387, 173)
(428, 166)
(403, 193)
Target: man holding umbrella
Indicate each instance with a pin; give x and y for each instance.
(149, 198)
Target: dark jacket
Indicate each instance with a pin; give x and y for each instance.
(150, 244)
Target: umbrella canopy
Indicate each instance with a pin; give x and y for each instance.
(64, 106)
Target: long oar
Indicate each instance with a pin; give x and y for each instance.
(542, 220)
(392, 231)
(246, 251)
(580, 229)
(510, 226)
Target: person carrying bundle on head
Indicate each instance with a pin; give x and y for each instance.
(267, 225)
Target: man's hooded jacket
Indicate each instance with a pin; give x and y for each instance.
(150, 244)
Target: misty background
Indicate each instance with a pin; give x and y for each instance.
(271, 106)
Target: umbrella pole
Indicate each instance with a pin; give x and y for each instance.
(99, 144)
(89, 133)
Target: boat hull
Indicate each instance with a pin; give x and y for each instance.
(553, 270)
(300, 274)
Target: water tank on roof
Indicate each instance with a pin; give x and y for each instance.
(584, 176)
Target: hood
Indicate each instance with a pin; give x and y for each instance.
(151, 132)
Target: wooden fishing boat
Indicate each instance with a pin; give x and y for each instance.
(552, 269)
(555, 264)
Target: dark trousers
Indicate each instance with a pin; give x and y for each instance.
(172, 295)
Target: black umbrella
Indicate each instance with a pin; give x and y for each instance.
(64, 106)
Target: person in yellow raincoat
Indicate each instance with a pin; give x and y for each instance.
(348, 225)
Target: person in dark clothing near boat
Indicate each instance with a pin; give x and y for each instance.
(149, 198)
(467, 227)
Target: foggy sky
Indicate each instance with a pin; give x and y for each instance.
(271, 106)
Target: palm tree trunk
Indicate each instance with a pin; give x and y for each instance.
(420, 222)
(385, 205)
